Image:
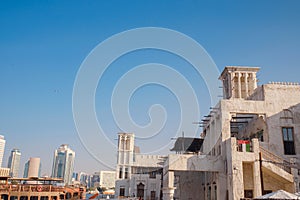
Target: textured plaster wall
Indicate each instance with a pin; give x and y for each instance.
(188, 185)
(273, 184)
(248, 176)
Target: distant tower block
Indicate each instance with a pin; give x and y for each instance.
(32, 168)
(238, 82)
(14, 162)
(63, 163)
(2, 146)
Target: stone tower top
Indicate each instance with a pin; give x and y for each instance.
(126, 141)
(238, 81)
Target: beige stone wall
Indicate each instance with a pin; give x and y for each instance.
(271, 183)
(239, 171)
(4, 172)
(188, 185)
(248, 176)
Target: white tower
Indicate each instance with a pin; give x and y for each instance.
(125, 155)
(14, 162)
(63, 163)
(2, 147)
(238, 82)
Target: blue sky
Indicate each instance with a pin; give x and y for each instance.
(44, 43)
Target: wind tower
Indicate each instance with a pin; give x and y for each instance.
(238, 81)
(125, 155)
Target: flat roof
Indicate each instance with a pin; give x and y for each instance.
(239, 68)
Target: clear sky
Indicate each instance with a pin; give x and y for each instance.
(43, 44)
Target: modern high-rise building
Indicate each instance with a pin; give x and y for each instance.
(32, 168)
(2, 146)
(63, 163)
(14, 162)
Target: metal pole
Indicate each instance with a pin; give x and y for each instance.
(261, 174)
(182, 144)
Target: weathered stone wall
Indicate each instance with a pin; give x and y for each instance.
(248, 176)
(188, 185)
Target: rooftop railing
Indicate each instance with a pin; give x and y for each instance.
(30, 188)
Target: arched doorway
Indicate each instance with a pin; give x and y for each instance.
(140, 191)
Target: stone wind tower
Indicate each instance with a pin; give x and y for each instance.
(238, 82)
(125, 155)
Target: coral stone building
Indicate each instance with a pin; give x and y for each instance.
(251, 143)
(250, 146)
(137, 175)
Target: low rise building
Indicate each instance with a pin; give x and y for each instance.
(4, 172)
(137, 175)
(107, 179)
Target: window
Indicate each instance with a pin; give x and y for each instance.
(152, 195)
(120, 172)
(248, 193)
(152, 174)
(216, 193)
(126, 173)
(127, 144)
(209, 193)
(288, 140)
(260, 135)
(122, 192)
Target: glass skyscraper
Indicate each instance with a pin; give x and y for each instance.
(63, 163)
(14, 162)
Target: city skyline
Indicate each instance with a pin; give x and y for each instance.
(44, 44)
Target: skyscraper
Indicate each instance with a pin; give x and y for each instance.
(32, 168)
(14, 162)
(63, 163)
(2, 146)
